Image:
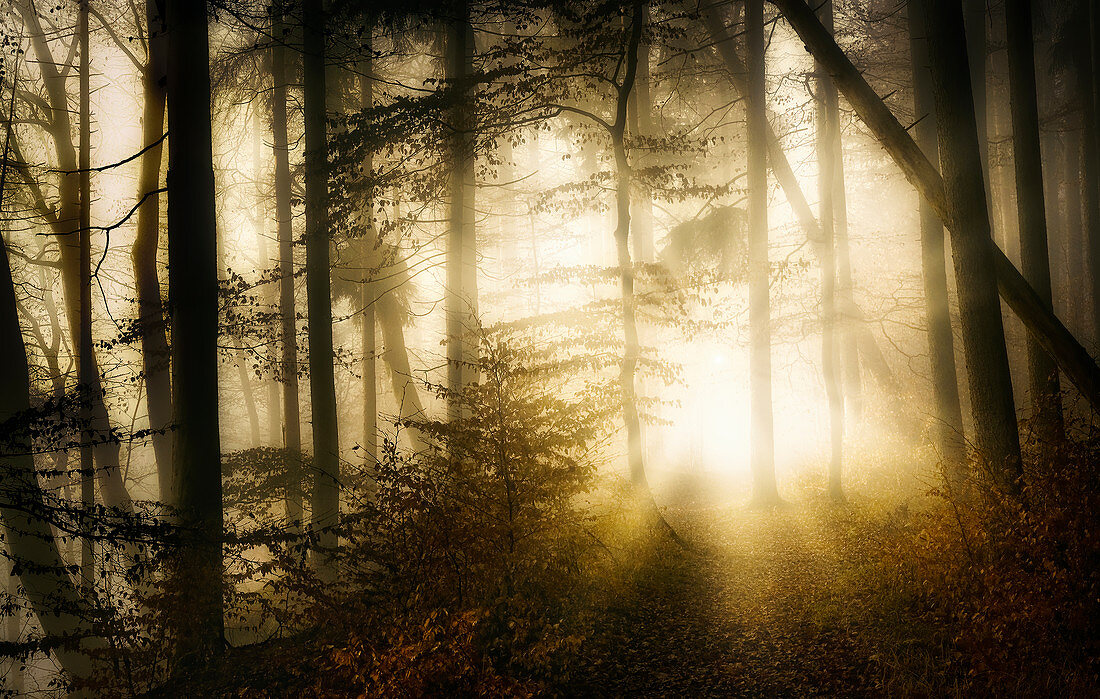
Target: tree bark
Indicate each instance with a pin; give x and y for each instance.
(1034, 253)
(1072, 358)
(368, 261)
(325, 503)
(288, 340)
(949, 436)
(86, 380)
(762, 439)
(150, 320)
(193, 300)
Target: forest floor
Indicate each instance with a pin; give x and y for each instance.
(766, 604)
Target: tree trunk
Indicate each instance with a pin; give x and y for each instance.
(1072, 358)
(193, 300)
(325, 503)
(829, 171)
(761, 438)
(288, 341)
(461, 300)
(1034, 254)
(1075, 227)
(86, 380)
(368, 261)
(150, 320)
(948, 428)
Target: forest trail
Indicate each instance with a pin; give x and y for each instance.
(756, 611)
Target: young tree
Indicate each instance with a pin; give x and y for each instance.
(762, 439)
(193, 300)
(288, 339)
(830, 182)
(85, 362)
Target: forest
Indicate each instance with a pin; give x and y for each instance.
(549, 348)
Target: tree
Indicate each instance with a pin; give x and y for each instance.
(461, 299)
(762, 439)
(85, 362)
(948, 428)
(1031, 207)
(325, 503)
(151, 325)
(193, 301)
(288, 339)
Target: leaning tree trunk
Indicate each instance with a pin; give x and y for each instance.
(948, 428)
(150, 320)
(829, 172)
(325, 503)
(1072, 358)
(761, 438)
(1034, 253)
(288, 339)
(193, 300)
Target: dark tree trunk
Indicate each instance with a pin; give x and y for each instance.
(288, 340)
(761, 438)
(396, 356)
(1034, 254)
(325, 503)
(948, 427)
(1088, 77)
(87, 382)
(151, 325)
(193, 300)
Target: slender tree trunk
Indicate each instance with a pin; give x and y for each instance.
(1042, 371)
(84, 344)
(193, 300)
(976, 30)
(288, 341)
(762, 439)
(325, 504)
(151, 325)
(1072, 358)
(828, 157)
(368, 261)
(461, 237)
(861, 336)
(948, 428)
(261, 217)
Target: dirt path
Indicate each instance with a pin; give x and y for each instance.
(752, 614)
